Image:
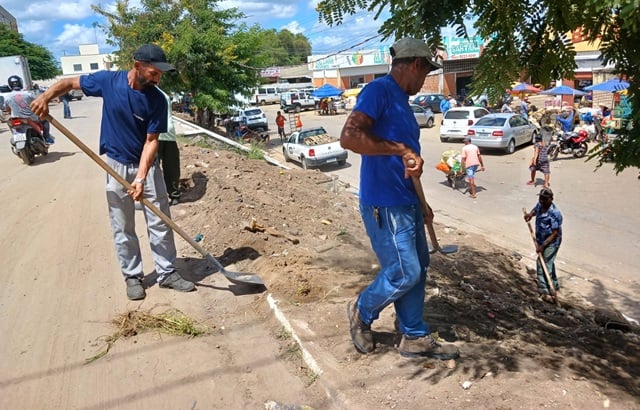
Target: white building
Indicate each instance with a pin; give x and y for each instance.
(88, 61)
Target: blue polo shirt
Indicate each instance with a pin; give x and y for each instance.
(546, 222)
(128, 115)
(382, 181)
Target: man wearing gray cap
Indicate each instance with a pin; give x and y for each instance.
(383, 129)
(134, 113)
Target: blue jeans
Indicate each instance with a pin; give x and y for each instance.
(549, 254)
(398, 239)
(66, 109)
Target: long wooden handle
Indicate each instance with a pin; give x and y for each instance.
(417, 184)
(124, 183)
(552, 288)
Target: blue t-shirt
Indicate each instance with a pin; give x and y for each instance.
(128, 115)
(382, 181)
(547, 222)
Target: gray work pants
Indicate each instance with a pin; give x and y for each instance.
(122, 216)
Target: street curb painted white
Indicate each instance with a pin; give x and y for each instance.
(306, 356)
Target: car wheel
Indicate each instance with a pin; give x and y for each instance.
(304, 163)
(430, 123)
(297, 109)
(511, 147)
(263, 102)
(443, 139)
(284, 155)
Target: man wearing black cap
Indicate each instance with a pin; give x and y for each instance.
(383, 129)
(134, 113)
(548, 239)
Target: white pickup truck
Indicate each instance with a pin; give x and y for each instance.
(313, 148)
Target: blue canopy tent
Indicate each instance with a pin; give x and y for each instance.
(614, 84)
(327, 90)
(562, 90)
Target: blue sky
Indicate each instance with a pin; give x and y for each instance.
(61, 26)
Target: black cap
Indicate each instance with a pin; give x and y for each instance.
(546, 193)
(152, 54)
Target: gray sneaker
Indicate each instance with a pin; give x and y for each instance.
(135, 291)
(175, 282)
(360, 332)
(426, 346)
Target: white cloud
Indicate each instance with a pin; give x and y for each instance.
(259, 11)
(294, 27)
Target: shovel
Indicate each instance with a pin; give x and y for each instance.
(234, 277)
(552, 288)
(447, 249)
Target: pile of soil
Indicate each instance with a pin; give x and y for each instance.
(300, 230)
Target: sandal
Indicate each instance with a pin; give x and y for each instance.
(530, 183)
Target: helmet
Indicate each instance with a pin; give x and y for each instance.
(582, 133)
(15, 82)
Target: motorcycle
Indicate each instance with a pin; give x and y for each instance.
(27, 140)
(569, 143)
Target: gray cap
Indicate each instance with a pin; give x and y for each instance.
(412, 47)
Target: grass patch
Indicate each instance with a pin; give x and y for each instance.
(132, 323)
(256, 151)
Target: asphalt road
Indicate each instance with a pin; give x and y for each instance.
(601, 209)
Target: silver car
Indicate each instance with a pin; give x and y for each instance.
(424, 116)
(502, 131)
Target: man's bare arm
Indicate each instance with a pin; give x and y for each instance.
(40, 106)
(356, 136)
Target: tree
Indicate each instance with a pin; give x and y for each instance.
(215, 56)
(42, 64)
(525, 38)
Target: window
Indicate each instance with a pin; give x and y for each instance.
(77, 67)
(94, 66)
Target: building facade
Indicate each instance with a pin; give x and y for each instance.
(7, 19)
(88, 61)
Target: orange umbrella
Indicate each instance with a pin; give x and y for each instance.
(524, 88)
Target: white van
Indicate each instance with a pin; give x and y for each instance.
(266, 94)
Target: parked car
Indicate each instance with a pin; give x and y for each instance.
(266, 94)
(502, 131)
(456, 122)
(253, 117)
(76, 94)
(429, 100)
(313, 148)
(296, 101)
(424, 116)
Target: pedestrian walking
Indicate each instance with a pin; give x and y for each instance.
(169, 156)
(134, 113)
(383, 129)
(540, 161)
(280, 124)
(524, 107)
(445, 105)
(548, 240)
(65, 99)
(471, 159)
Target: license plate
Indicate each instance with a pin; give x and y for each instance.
(331, 160)
(18, 137)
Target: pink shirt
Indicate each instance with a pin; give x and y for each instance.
(470, 155)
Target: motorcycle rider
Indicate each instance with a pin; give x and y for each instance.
(18, 102)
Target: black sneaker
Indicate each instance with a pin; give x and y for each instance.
(135, 290)
(175, 282)
(426, 346)
(361, 335)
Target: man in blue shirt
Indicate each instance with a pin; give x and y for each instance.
(445, 105)
(134, 113)
(548, 239)
(383, 129)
